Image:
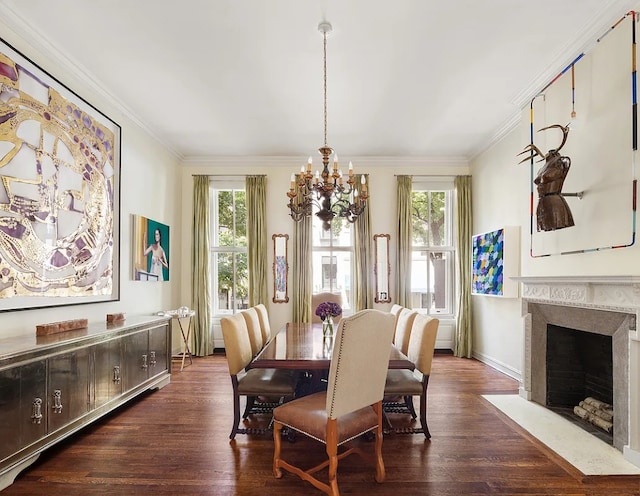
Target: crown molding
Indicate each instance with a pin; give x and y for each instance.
(297, 161)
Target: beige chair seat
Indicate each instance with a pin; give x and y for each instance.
(266, 382)
(402, 383)
(313, 410)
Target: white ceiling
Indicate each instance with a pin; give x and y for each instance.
(406, 78)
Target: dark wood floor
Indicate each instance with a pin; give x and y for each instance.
(175, 442)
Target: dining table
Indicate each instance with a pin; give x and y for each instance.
(303, 346)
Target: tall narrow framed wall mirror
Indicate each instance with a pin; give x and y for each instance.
(280, 268)
(382, 268)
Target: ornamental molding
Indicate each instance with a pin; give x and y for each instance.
(607, 293)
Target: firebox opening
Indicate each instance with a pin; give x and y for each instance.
(579, 366)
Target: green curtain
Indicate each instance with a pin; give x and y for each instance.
(257, 248)
(302, 271)
(363, 282)
(403, 267)
(200, 285)
(463, 336)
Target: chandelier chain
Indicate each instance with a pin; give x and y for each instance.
(325, 88)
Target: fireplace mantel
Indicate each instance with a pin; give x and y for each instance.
(616, 293)
(609, 293)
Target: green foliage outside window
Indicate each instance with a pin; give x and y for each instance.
(232, 232)
(428, 218)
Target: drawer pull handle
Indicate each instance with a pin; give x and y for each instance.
(36, 411)
(152, 358)
(57, 401)
(144, 362)
(116, 374)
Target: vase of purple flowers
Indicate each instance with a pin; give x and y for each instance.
(327, 310)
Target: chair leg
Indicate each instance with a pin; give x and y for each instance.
(332, 453)
(423, 407)
(236, 408)
(408, 401)
(277, 445)
(380, 471)
(250, 402)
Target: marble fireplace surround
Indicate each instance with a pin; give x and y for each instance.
(608, 305)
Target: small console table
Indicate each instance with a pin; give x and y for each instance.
(182, 315)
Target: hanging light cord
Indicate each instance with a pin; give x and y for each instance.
(325, 87)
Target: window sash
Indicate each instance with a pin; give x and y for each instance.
(336, 275)
(233, 255)
(433, 265)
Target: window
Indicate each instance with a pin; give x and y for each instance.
(229, 270)
(333, 259)
(432, 266)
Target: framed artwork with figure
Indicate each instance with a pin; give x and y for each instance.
(150, 250)
(59, 192)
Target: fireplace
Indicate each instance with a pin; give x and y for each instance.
(601, 310)
(580, 370)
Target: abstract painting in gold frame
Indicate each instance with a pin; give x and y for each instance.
(59, 192)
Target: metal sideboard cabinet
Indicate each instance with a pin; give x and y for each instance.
(52, 386)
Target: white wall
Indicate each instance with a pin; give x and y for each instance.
(602, 166)
(149, 187)
(382, 187)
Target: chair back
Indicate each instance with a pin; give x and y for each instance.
(395, 310)
(316, 299)
(422, 342)
(265, 327)
(359, 362)
(236, 342)
(253, 327)
(404, 323)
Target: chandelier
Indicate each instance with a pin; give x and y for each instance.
(328, 191)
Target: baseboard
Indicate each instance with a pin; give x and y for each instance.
(499, 366)
(631, 455)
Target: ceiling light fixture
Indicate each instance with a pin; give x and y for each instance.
(327, 189)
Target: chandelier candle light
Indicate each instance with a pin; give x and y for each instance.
(327, 189)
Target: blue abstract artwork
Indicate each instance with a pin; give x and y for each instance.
(488, 263)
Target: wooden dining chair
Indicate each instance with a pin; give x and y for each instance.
(253, 328)
(254, 319)
(350, 407)
(250, 383)
(265, 327)
(404, 321)
(395, 309)
(407, 383)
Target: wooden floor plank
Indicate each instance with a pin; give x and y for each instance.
(174, 441)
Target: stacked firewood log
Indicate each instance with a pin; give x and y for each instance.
(596, 412)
